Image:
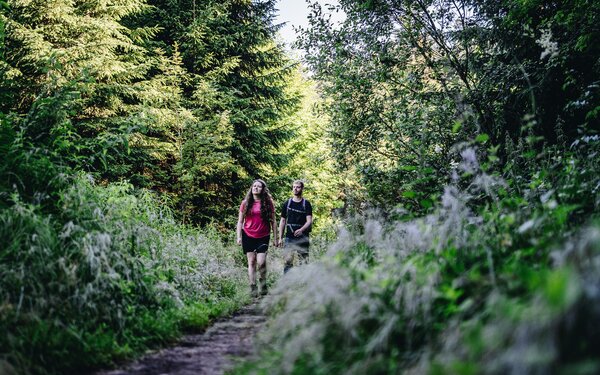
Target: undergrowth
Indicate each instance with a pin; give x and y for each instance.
(500, 277)
(103, 279)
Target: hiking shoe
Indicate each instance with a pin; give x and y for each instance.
(253, 290)
(264, 290)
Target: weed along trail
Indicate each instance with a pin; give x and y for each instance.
(216, 350)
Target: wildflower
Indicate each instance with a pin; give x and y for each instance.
(469, 161)
(545, 41)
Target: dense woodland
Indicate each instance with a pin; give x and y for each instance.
(450, 149)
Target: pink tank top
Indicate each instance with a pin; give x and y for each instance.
(254, 225)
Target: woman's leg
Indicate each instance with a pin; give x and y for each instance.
(251, 267)
(262, 270)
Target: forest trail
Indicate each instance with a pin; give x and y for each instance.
(212, 352)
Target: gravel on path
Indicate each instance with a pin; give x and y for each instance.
(210, 353)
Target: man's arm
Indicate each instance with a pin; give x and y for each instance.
(306, 225)
(282, 223)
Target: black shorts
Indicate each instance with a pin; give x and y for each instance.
(257, 245)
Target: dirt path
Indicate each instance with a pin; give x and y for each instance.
(210, 353)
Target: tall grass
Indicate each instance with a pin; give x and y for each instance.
(501, 277)
(106, 277)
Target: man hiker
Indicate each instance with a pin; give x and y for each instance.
(296, 220)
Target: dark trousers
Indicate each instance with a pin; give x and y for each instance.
(296, 245)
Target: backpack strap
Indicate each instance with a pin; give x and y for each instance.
(289, 203)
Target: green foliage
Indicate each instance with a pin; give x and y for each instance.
(236, 89)
(193, 111)
(189, 100)
(485, 283)
(105, 279)
(83, 85)
(311, 160)
(24, 169)
(392, 97)
(472, 125)
(546, 47)
(198, 315)
(410, 79)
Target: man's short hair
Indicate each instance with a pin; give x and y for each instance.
(299, 182)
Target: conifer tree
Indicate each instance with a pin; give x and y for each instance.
(196, 124)
(244, 73)
(124, 115)
(237, 93)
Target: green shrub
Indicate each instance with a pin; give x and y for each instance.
(112, 274)
(465, 289)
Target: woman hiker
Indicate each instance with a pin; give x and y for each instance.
(255, 222)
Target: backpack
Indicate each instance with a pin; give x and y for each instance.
(289, 203)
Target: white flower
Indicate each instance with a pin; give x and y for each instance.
(545, 41)
(469, 162)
